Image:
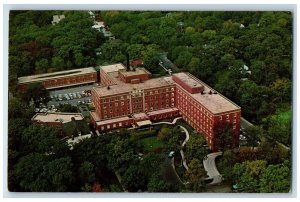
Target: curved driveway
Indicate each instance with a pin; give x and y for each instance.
(211, 169)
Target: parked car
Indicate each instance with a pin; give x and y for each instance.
(74, 95)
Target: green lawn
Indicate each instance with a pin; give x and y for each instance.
(151, 143)
(283, 117)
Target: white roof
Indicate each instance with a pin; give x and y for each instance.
(56, 117)
(143, 123)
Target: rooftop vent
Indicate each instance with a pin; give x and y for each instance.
(108, 87)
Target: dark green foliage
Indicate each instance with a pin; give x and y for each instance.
(257, 176)
(37, 93)
(67, 108)
(39, 173)
(196, 147)
(44, 140)
(214, 46)
(224, 136)
(253, 135)
(276, 178)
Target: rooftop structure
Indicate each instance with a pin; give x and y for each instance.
(137, 71)
(113, 68)
(128, 87)
(55, 75)
(56, 117)
(57, 18)
(209, 98)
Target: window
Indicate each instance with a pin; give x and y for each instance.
(108, 126)
(104, 111)
(172, 89)
(122, 103)
(102, 127)
(220, 118)
(227, 116)
(235, 115)
(120, 124)
(116, 104)
(114, 125)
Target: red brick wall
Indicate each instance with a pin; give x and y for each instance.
(127, 79)
(115, 125)
(65, 81)
(203, 120)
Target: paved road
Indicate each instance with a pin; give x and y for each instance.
(211, 169)
(245, 123)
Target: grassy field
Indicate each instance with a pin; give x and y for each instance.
(283, 117)
(151, 143)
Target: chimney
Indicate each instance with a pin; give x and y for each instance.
(128, 65)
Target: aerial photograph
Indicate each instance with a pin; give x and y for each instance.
(150, 101)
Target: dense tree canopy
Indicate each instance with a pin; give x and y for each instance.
(247, 56)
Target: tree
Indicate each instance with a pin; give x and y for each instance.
(157, 184)
(44, 140)
(134, 179)
(164, 133)
(223, 136)
(42, 65)
(121, 152)
(195, 175)
(37, 93)
(226, 164)
(253, 135)
(87, 172)
(67, 108)
(150, 57)
(247, 174)
(276, 179)
(196, 147)
(39, 173)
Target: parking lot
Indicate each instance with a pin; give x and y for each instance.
(74, 96)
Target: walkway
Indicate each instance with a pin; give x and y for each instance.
(211, 169)
(187, 137)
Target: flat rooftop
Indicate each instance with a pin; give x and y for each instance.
(215, 102)
(127, 87)
(188, 80)
(112, 68)
(56, 117)
(138, 71)
(55, 75)
(109, 121)
(162, 111)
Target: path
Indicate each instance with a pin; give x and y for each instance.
(211, 169)
(187, 137)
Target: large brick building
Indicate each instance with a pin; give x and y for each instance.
(127, 98)
(60, 79)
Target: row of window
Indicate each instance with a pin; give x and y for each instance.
(159, 91)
